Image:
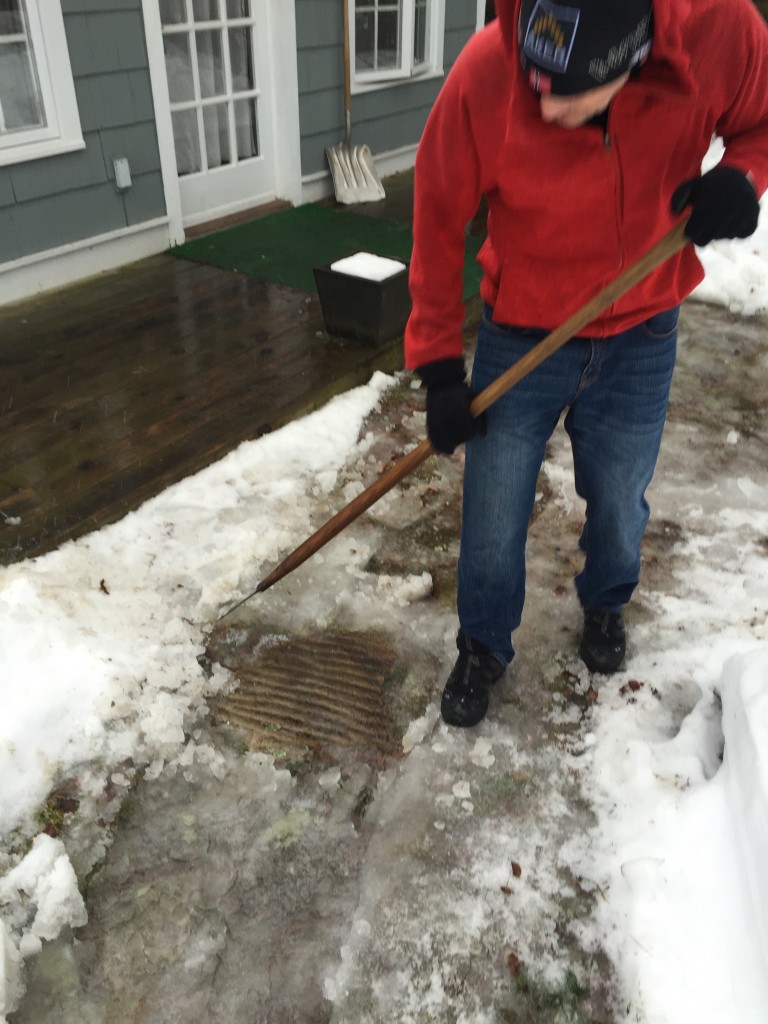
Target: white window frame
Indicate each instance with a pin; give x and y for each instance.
(62, 132)
(367, 81)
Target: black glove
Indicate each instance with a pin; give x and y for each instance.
(724, 205)
(449, 420)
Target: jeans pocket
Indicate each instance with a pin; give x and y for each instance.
(488, 326)
(510, 331)
(662, 325)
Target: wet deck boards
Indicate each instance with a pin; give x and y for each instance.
(114, 389)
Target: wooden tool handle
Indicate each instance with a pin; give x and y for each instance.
(350, 512)
(669, 244)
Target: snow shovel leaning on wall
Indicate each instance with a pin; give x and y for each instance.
(669, 244)
(355, 179)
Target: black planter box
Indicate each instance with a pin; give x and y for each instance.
(362, 309)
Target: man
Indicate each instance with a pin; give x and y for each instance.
(584, 124)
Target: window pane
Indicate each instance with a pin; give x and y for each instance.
(246, 129)
(173, 12)
(178, 66)
(377, 35)
(216, 126)
(38, 106)
(205, 10)
(388, 43)
(365, 41)
(21, 103)
(210, 64)
(238, 8)
(11, 18)
(241, 59)
(420, 32)
(187, 141)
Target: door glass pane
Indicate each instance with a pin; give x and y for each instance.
(246, 129)
(216, 126)
(187, 141)
(241, 59)
(238, 8)
(205, 10)
(21, 104)
(210, 63)
(178, 66)
(173, 12)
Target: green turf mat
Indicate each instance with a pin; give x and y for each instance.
(285, 246)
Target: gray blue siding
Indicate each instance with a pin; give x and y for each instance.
(389, 118)
(67, 198)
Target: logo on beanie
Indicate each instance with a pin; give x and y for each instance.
(633, 48)
(549, 35)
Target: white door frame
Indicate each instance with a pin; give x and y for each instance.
(281, 18)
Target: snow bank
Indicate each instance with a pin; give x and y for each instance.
(745, 770)
(737, 271)
(681, 851)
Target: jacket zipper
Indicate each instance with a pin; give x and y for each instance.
(609, 144)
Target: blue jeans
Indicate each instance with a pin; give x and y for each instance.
(616, 392)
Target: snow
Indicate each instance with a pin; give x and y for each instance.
(46, 876)
(737, 271)
(99, 646)
(368, 265)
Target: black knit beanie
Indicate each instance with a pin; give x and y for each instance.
(568, 48)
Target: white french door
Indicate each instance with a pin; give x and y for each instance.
(217, 62)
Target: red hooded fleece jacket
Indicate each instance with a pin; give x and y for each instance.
(569, 210)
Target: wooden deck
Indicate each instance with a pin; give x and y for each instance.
(113, 389)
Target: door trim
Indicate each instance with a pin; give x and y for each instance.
(281, 26)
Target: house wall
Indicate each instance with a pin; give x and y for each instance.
(388, 119)
(62, 218)
(64, 199)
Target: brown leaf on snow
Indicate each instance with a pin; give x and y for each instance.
(516, 869)
(514, 964)
(506, 890)
(632, 685)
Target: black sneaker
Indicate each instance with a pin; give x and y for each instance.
(465, 697)
(603, 642)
